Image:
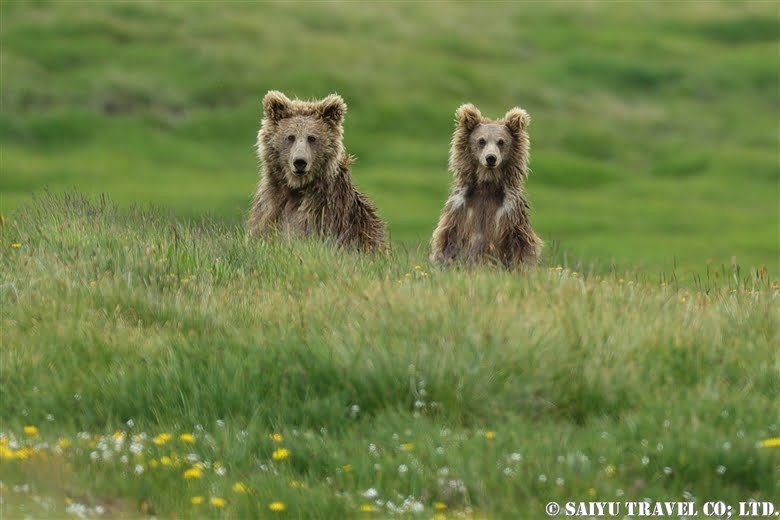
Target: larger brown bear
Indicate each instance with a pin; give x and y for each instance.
(305, 185)
(486, 217)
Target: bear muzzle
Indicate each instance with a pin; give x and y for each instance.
(300, 167)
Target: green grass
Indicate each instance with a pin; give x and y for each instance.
(639, 361)
(654, 129)
(489, 392)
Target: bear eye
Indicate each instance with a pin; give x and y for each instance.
(482, 141)
(291, 138)
(312, 139)
(500, 142)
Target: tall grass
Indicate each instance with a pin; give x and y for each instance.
(452, 392)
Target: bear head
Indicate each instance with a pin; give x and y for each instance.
(301, 140)
(485, 150)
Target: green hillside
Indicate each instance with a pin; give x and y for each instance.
(654, 134)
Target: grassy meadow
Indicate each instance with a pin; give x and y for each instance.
(152, 366)
(156, 362)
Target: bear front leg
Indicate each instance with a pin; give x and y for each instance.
(521, 248)
(263, 215)
(443, 241)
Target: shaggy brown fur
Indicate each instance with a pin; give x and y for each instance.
(487, 215)
(305, 186)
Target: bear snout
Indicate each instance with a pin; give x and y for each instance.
(300, 166)
(491, 160)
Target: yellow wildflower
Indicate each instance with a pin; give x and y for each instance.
(367, 508)
(281, 454)
(187, 437)
(239, 487)
(439, 516)
(592, 492)
(610, 470)
(407, 446)
(165, 460)
(347, 468)
(6, 453)
(118, 435)
(162, 438)
(440, 506)
(193, 472)
(417, 267)
(774, 442)
(153, 463)
(276, 437)
(218, 502)
(490, 434)
(277, 506)
(31, 431)
(296, 484)
(24, 453)
(63, 443)
(196, 501)
(16, 245)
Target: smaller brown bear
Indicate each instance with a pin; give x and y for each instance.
(305, 185)
(486, 217)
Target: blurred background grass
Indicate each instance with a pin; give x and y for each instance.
(655, 125)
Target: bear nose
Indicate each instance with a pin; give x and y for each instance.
(491, 160)
(300, 164)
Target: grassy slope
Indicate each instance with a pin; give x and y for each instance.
(592, 386)
(654, 136)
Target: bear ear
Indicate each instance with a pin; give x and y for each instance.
(467, 116)
(276, 105)
(332, 109)
(517, 120)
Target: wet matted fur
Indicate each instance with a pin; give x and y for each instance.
(486, 217)
(305, 184)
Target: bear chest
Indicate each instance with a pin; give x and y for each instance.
(296, 215)
(478, 226)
